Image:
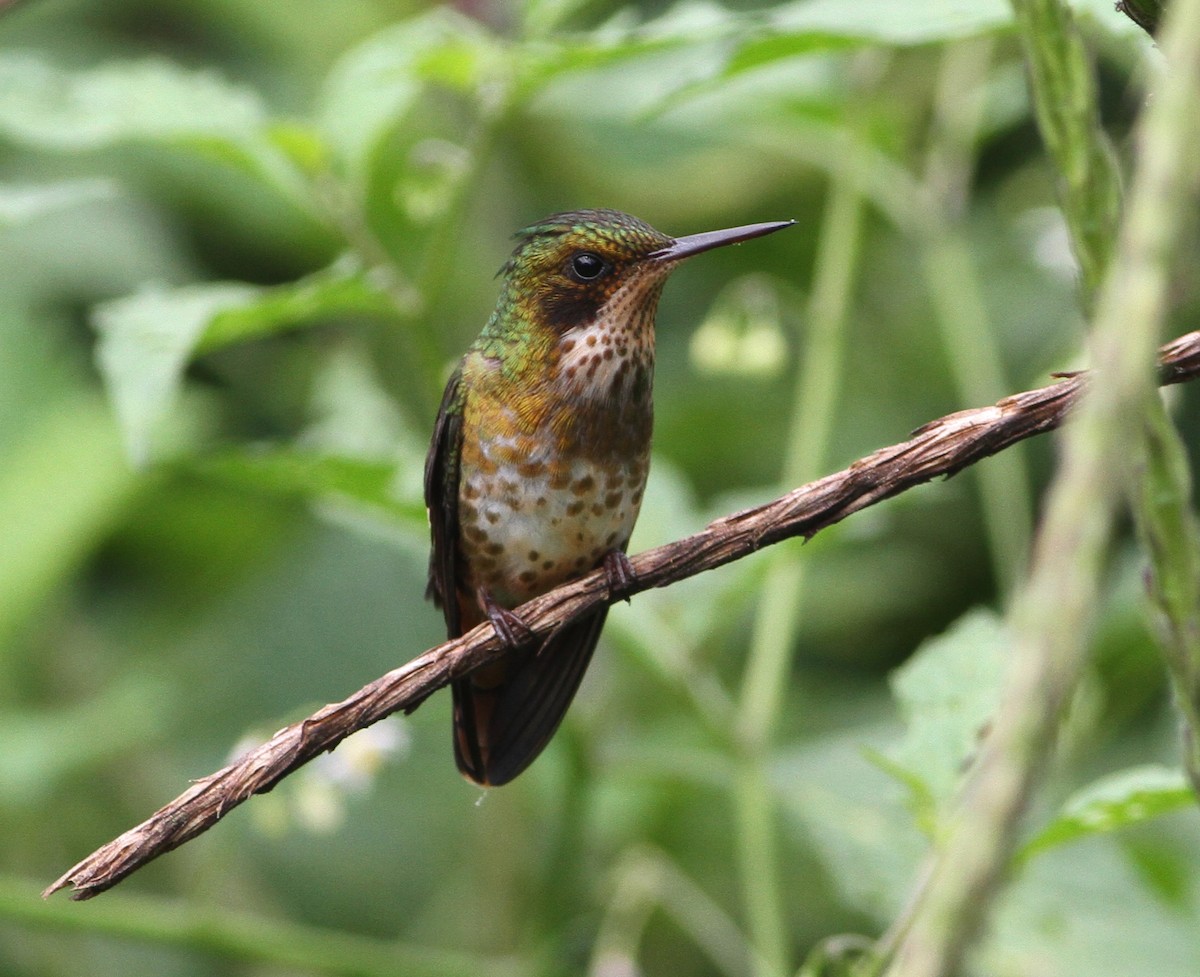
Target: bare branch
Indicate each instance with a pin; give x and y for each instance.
(942, 447)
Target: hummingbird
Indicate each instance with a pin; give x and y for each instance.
(538, 463)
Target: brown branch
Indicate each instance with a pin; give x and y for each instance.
(942, 447)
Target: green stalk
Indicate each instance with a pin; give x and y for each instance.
(1052, 614)
(961, 313)
(777, 620)
(1003, 481)
(1169, 534)
(237, 936)
(646, 880)
(1064, 99)
(811, 424)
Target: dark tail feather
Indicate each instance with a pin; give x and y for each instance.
(505, 714)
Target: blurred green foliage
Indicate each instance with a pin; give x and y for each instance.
(241, 244)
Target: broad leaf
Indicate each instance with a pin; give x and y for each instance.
(888, 22)
(947, 693)
(147, 339)
(854, 816)
(358, 462)
(721, 43)
(339, 486)
(1111, 803)
(153, 100)
(145, 343)
(698, 33)
(340, 290)
(1083, 911)
(377, 83)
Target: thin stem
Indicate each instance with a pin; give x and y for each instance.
(707, 923)
(1161, 499)
(1064, 98)
(777, 620)
(961, 313)
(758, 864)
(811, 424)
(236, 936)
(1169, 534)
(979, 376)
(645, 880)
(636, 883)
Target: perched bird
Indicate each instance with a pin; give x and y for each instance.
(539, 459)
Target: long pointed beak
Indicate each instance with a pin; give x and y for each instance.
(685, 247)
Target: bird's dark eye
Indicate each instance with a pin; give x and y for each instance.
(587, 267)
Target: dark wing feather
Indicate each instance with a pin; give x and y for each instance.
(441, 500)
(505, 714)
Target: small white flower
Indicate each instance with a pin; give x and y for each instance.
(356, 761)
(314, 798)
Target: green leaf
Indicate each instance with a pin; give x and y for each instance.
(340, 486)
(155, 101)
(540, 17)
(63, 486)
(693, 24)
(147, 339)
(25, 202)
(372, 89)
(1111, 803)
(854, 818)
(358, 463)
(812, 26)
(728, 43)
(340, 290)
(353, 415)
(947, 692)
(920, 798)
(888, 22)
(1085, 910)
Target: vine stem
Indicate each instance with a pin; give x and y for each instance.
(1051, 615)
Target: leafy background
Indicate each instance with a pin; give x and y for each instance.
(240, 245)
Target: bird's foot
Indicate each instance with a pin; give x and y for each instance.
(618, 574)
(510, 629)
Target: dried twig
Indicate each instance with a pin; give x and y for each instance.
(942, 447)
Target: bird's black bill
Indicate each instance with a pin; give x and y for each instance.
(685, 247)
